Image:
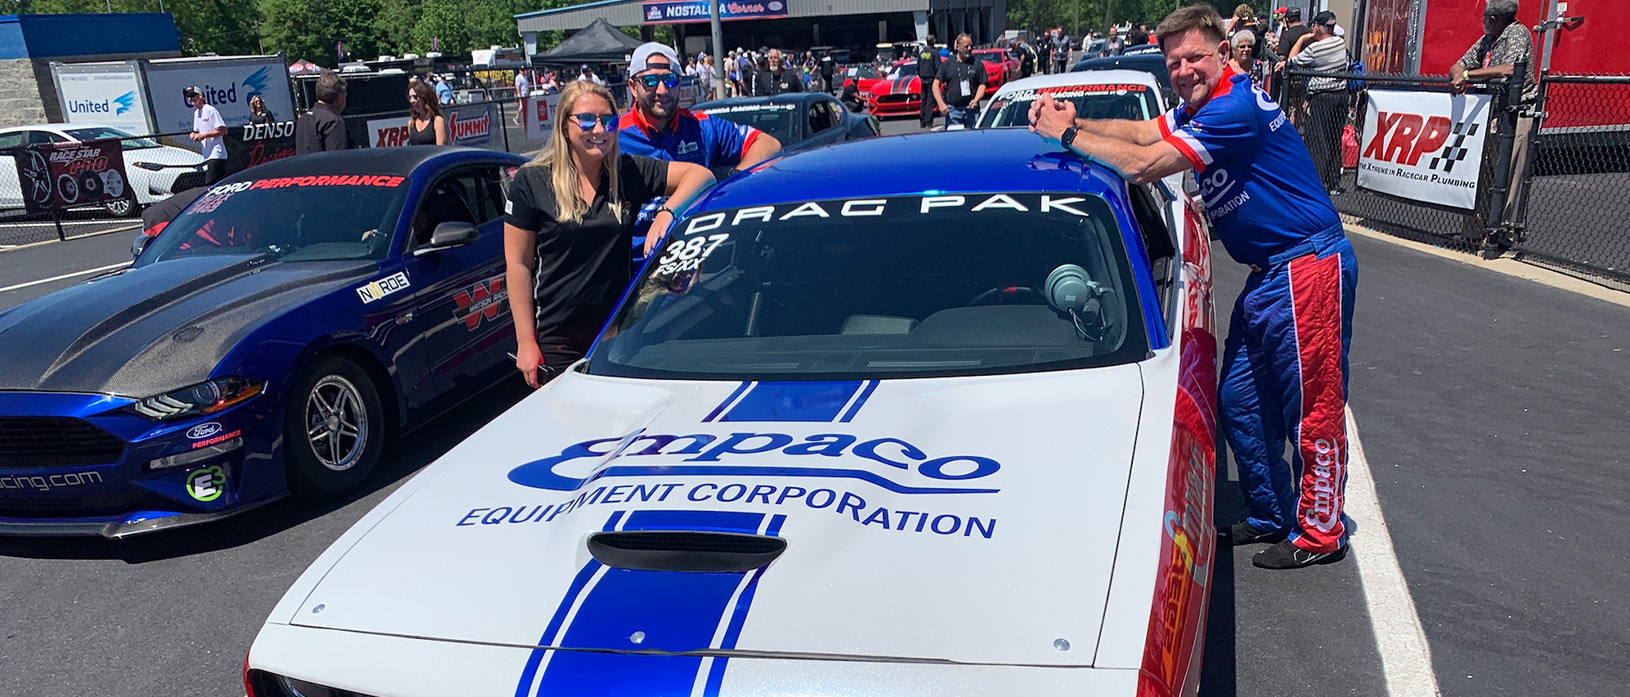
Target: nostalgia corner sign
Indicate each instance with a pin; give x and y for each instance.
(684, 11)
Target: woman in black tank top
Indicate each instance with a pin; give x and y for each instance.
(426, 125)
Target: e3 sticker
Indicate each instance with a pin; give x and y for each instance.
(207, 484)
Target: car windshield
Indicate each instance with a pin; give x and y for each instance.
(321, 218)
(862, 73)
(903, 70)
(100, 132)
(774, 119)
(908, 286)
(1104, 101)
(991, 57)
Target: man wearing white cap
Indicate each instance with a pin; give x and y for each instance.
(656, 127)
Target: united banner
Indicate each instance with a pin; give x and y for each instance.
(686, 11)
(1424, 146)
(67, 175)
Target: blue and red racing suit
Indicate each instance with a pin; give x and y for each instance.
(1284, 369)
(689, 137)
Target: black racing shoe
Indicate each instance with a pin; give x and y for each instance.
(1244, 533)
(1286, 555)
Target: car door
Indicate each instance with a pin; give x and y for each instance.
(822, 124)
(463, 308)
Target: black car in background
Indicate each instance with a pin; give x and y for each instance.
(1143, 60)
(799, 121)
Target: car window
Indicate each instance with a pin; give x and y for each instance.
(820, 117)
(308, 218)
(778, 120)
(455, 198)
(44, 137)
(14, 139)
(1103, 101)
(906, 286)
(127, 141)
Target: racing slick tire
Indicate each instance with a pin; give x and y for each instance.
(333, 429)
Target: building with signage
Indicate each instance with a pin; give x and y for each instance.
(30, 43)
(789, 24)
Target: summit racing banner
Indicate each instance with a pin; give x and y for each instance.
(685, 11)
(474, 125)
(66, 175)
(1424, 146)
(256, 144)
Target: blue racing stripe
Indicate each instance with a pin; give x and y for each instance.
(871, 386)
(794, 401)
(669, 612)
(726, 403)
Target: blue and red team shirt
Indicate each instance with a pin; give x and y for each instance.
(693, 138)
(1255, 174)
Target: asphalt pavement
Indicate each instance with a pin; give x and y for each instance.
(1492, 410)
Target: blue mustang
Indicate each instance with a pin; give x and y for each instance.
(270, 340)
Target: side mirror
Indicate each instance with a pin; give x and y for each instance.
(138, 245)
(448, 236)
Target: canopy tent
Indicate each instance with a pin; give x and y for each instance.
(599, 42)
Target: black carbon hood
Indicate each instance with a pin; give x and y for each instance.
(149, 330)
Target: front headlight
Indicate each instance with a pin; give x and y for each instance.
(202, 398)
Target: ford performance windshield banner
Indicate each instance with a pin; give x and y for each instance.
(685, 11)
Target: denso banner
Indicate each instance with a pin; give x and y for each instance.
(255, 144)
(67, 175)
(106, 94)
(686, 11)
(474, 125)
(1424, 146)
(227, 83)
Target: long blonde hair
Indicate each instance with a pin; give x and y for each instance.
(558, 156)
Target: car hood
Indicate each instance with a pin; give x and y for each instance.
(964, 519)
(902, 85)
(148, 330)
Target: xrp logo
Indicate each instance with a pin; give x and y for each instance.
(1402, 138)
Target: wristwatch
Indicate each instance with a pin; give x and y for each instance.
(665, 209)
(1067, 137)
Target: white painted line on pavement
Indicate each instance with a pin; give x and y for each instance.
(1406, 660)
(86, 272)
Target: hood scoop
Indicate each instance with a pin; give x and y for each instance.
(685, 551)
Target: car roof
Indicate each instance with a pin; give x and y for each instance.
(987, 160)
(54, 127)
(393, 161)
(791, 98)
(1085, 77)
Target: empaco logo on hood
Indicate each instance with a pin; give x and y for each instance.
(707, 454)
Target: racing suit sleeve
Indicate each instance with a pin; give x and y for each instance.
(1223, 129)
(728, 141)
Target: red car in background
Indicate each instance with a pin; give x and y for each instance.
(1000, 66)
(863, 77)
(898, 93)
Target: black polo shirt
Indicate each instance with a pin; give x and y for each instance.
(322, 129)
(581, 268)
(959, 80)
(768, 84)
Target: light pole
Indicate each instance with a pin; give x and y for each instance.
(718, 51)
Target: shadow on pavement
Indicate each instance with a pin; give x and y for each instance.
(407, 455)
(1218, 671)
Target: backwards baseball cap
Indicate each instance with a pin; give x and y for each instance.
(644, 55)
(1325, 18)
(189, 92)
(1293, 14)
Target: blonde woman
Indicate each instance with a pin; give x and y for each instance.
(426, 125)
(569, 229)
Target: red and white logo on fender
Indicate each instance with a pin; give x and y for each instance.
(391, 137)
(1403, 138)
(466, 129)
(1326, 466)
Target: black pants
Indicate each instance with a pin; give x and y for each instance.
(1327, 114)
(214, 171)
(926, 117)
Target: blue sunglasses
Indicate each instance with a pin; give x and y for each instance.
(586, 121)
(668, 80)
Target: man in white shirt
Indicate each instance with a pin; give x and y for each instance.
(523, 89)
(208, 129)
(589, 75)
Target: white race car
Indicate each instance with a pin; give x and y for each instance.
(931, 431)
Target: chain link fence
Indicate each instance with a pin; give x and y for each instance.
(1576, 183)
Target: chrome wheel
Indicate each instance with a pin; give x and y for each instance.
(336, 423)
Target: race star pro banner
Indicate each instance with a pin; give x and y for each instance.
(540, 116)
(1424, 146)
(65, 175)
(685, 11)
(257, 144)
(475, 125)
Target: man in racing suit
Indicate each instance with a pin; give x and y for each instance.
(1285, 358)
(656, 127)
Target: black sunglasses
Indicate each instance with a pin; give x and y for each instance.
(586, 121)
(668, 80)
